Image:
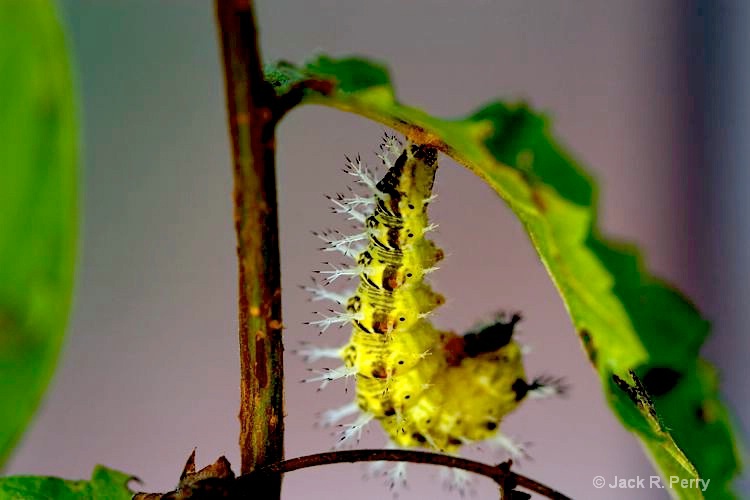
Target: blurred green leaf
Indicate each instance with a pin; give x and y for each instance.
(38, 213)
(641, 335)
(105, 484)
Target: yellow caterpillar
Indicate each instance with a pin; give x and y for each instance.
(427, 388)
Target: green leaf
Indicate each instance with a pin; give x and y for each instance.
(38, 213)
(642, 336)
(105, 484)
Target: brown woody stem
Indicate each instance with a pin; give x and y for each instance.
(250, 104)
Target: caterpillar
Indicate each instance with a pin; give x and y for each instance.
(428, 388)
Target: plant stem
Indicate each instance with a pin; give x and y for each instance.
(501, 474)
(250, 101)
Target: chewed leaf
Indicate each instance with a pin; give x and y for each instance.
(642, 336)
(38, 213)
(104, 483)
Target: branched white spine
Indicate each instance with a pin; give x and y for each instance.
(321, 293)
(354, 200)
(339, 242)
(334, 415)
(312, 354)
(457, 480)
(516, 450)
(359, 170)
(396, 478)
(546, 386)
(354, 430)
(327, 375)
(390, 150)
(337, 272)
(340, 206)
(377, 468)
(337, 318)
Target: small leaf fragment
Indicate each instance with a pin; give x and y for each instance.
(215, 480)
(105, 483)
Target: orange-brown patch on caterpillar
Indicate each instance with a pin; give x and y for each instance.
(454, 349)
(379, 371)
(380, 322)
(391, 278)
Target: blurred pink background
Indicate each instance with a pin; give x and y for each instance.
(151, 366)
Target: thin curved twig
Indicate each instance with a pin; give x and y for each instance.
(501, 474)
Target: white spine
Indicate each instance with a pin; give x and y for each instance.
(353, 431)
(328, 375)
(312, 354)
(331, 417)
(517, 451)
(337, 272)
(339, 242)
(337, 318)
(321, 293)
(340, 207)
(359, 170)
